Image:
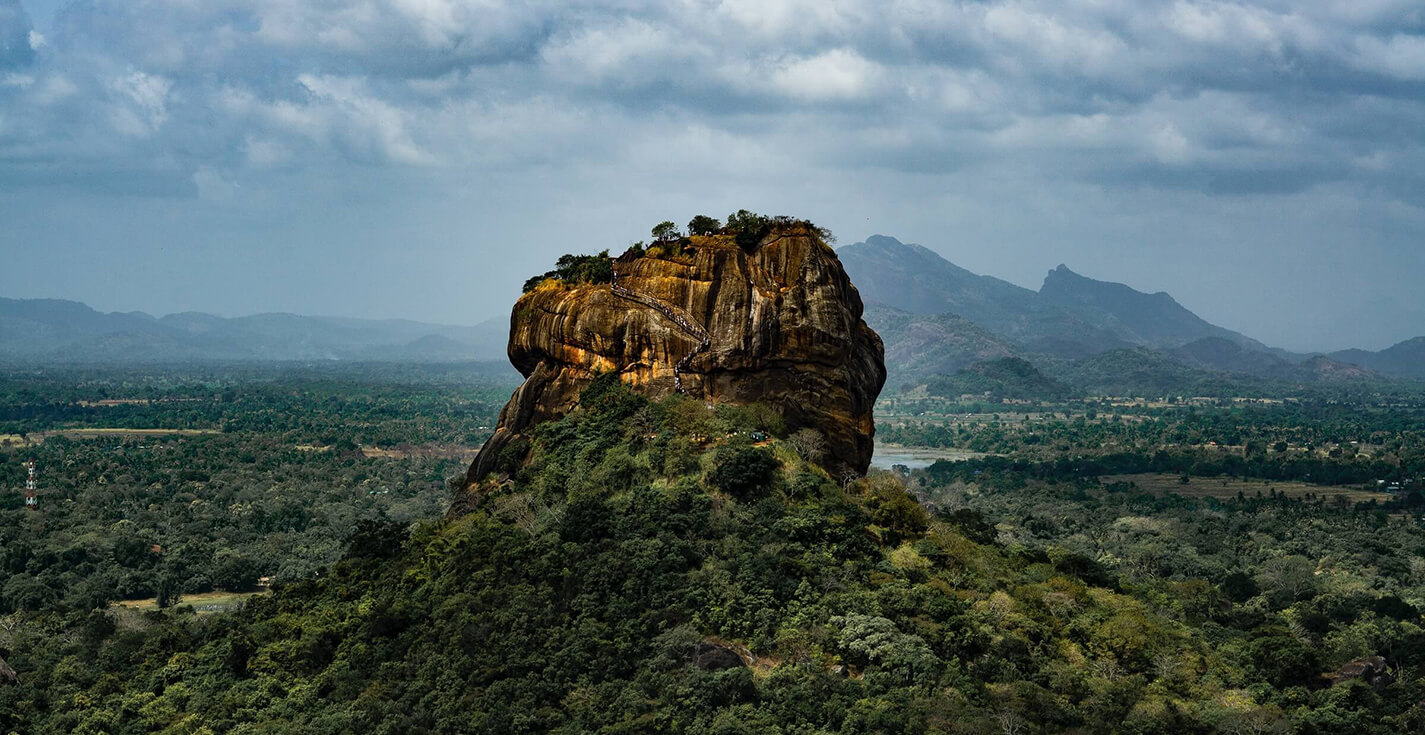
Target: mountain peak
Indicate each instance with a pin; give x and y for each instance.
(892, 247)
(883, 241)
(1155, 319)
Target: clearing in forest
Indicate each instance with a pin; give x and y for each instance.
(1225, 488)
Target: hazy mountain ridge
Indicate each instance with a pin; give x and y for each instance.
(921, 345)
(1405, 359)
(1154, 320)
(1004, 377)
(1070, 316)
(1218, 353)
(916, 279)
(939, 319)
(53, 330)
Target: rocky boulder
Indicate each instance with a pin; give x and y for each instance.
(1372, 670)
(774, 320)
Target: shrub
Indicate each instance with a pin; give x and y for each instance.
(748, 228)
(376, 540)
(971, 524)
(577, 269)
(743, 471)
(666, 232)
(704, 225)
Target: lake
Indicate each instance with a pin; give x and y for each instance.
(916, 458)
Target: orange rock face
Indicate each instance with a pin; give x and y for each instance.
(779, 323)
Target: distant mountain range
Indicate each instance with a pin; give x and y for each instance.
(50, 330)
(1406, 358)
(942, 325)
(938, 319)
(1152, 320)
(917, 280)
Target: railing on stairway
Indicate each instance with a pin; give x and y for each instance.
(677, 316)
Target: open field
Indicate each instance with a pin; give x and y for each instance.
(433, 451)
(105, 402)
(204, 603)
(39, 437)
(1227, 487)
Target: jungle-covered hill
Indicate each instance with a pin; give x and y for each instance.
(665, 568)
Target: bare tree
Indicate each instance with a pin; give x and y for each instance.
(809, 444)
(531, 514)
(1011, 722)
(1290, 576)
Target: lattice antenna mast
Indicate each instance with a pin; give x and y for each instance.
(32, 485)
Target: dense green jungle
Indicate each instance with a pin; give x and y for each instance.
(1097, 566)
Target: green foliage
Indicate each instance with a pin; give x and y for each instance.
(1005, 377)
(666, 232)
(971, 524)
(610, 587)
(1329, 442)
(743, 471)
(704, 225)
(894, 510)
(574, 269)
(375, 539)
(748, 228)
(273, 491)
(874, 643)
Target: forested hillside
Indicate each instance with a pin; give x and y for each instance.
(659, 567)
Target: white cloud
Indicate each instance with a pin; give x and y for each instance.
(1043, 38)
(626, 53)
(837, 75)
(144, 102)
(1399, 56)
(337, 115)
(1216, 22)
(1169, 144)
(782, 20)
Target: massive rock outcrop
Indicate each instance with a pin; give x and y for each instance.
(773, 321)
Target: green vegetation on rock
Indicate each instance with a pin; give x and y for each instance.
(573, 269)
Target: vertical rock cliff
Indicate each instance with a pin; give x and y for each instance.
(773, 321)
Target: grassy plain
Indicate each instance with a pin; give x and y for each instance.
(1227, 488)
(204, 603)
(39, 437)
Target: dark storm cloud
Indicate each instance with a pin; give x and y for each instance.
(1233, 101)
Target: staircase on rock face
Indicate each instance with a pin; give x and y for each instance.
(678, 316)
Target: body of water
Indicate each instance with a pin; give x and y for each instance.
(887, 455)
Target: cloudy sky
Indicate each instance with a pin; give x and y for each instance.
(1262, 161)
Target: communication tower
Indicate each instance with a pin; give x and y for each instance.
(32, 485)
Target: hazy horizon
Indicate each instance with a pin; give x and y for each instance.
(1259, 161)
